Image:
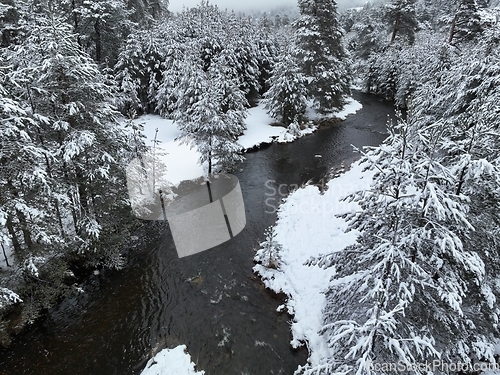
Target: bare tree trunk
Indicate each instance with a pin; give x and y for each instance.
(210, 158)
(210, 163)
(5, 255)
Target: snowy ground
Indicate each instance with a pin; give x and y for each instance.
(352, 106)
(171, 362)
(182, 161)
(307, 226)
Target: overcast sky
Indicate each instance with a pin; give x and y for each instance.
(245, 5)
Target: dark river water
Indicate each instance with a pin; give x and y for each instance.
(210, 301)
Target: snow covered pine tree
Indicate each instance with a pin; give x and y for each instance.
(286, 99)
(403, 293)
(210, 112)
(321, 54)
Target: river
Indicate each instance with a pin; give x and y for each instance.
(210, 301)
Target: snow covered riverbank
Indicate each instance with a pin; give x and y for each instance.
(182, 161)
(171, 362)
(308, 226)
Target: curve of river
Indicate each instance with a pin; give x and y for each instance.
(209, 301)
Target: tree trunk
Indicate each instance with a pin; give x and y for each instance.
(71, 198)
(452, 29)
(210, 163)
(5, 255)
(75, 22)
(21, 217)
(89, 187)
(395, 30)
(13, 236)
(82, 190)
(49, 172)
(210, 158)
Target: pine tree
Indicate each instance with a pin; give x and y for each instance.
(269, 254)
(466, 24)
(401, 292)
(384, 70)
(286, 100)
(401, 15)
(473, 120)
(147, 10)
(9, 17)
(322, 55)
(245, 58)
(435, 14)
(268, 50)
(71, 99)
(28, 213)
(139, 70)
(210, 113)
(369, 31)
(243, 53)
(61, 152)
(166, 96)
(101, 25)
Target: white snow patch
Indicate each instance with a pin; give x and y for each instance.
(352, 106)
(171, 362)
(307, 227)
(260, 131)
(5, 245)
(261, 343)
(182, 160)
(225, 338)
(258, 128)
(8, 297)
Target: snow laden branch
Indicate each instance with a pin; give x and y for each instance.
(403, 293)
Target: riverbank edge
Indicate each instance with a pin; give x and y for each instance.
(297, 239)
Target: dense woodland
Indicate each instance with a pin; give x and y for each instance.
(74, 76)
(421, 282)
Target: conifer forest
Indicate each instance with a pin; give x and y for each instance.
(405, 271)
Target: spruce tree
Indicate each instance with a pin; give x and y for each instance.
(402, 18)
